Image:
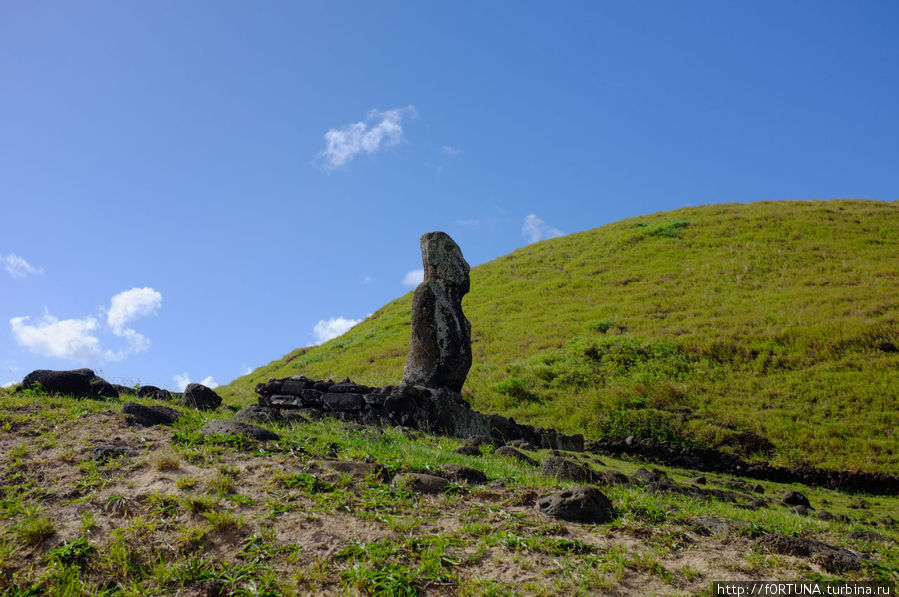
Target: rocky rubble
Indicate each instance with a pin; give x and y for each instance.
(434, 410)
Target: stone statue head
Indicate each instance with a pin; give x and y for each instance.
(442, 259)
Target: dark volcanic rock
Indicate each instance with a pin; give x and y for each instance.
(794, 498)
(102, 388)
(219, 427)
(422, 483)
(154, 393)
(440, 343)
(200, 397)
(343, 402)
(150, 415)
(510, 452)
(867, 536)
(832, 559)
(75, 383)
(466, 474)
(103, 452)
(578, 504)
(562, 468)
(258, 414)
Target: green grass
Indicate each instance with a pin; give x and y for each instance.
(694, 324)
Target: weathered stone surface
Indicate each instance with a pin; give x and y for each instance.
(343, 402)
(150, 415)
(440, 343)
(867, 536)
(510, 452)
(578, 504)
(794, 498)
(102, 388)
(421, 482)
(199, 396)
(832, 559)
(104, 451)
(219, 427)
(75, 383)
(258, 414)
(562, 468)
(465, 474)
(154, 393)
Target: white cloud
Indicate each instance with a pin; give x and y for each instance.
(380, 129)
(414, 278)
(9, 384)
(183, 379)
(70, 339)
(535, 229)
(325, 330)
(18, 267)
(76, 339)
(367, 280)
(246, 370)
(450, 150)
(131, 304)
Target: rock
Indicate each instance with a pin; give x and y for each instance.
(122, 390)
(466, 474)
(103, 452)
(610, 477)
(343, 402)
(219, 427)
(348, 387)
(510, 452)
(699, 480)
(359, 470)
(440, 343)
(75, 383)
(832, 559)
(259, 414)
(887, 346)
(150, 415)
(421, 483)
(579, 504)
(715, 525)
(802, 510)
(562, 468)
(866, 536)
(154, 393)
(468, 450)
(825, 515)
(645, 476)
(200, 397)
(522, 444)
(102, 388)
(794, 498)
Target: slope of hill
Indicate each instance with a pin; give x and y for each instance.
(724, 325)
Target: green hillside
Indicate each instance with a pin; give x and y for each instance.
(694, 325)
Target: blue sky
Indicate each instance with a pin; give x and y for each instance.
(192, 189)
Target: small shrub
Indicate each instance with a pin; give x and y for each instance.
(166, 462)
(35, 529)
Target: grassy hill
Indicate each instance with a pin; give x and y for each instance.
(694, 325)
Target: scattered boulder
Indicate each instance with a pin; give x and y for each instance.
(562, 468)
(422, 483)
(832, 559)
(200, 397)
(699, 480)
(105, 451)
(440, 343)
(645, 476)
(887, 346)
(75, 383)
(259, 414)
(794, 498)
(124, 390)
(150, 415)
(825, 515)
(102, 388)
(522, 444)
(510, 452)
(866, 536)
(465, 474)
(154, 393)
(579, 504)
(468, 449)
(221, 427)
(802, 510)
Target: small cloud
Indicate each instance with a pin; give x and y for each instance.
(183, 379)
(131, 304)
(379, 130)
(9, 384)
(328, 329)
(18, 267)
(414, 278)
(246, 370)
(450, 150)
(367, 280)
(535, 229)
